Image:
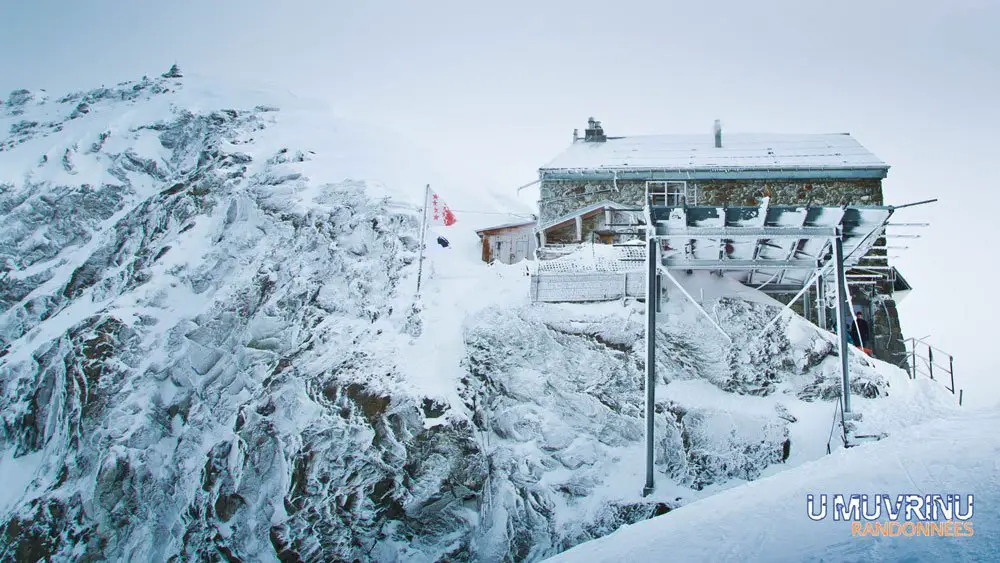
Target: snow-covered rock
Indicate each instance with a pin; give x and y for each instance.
(210, 348)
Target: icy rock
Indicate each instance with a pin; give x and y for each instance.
(582, 452)
(721, 445)
(413, 325)
(828, 383)
(201, 349)
(613, 516)
(16, 101)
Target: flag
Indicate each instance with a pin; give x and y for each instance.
(439, 214)
(436, 212)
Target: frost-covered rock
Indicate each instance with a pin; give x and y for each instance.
(722, 445)
(207, 343)
(188, 345)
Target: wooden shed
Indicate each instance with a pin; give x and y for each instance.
(509, 243)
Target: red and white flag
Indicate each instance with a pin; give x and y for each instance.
(439, 214)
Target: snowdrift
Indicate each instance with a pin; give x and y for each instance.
(766, 520)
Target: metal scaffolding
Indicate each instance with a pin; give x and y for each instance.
(795, 246)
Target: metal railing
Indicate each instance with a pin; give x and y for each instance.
(838, 419)
(923, 362)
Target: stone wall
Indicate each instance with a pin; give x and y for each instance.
(863, 191)
(560, 197)
(889, 345)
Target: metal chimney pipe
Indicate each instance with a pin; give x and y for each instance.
(718, 134)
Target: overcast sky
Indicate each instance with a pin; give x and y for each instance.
(493, 92)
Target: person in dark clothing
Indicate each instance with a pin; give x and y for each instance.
(862, 331)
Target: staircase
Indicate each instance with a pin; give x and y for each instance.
(845, 429)
(925, 360)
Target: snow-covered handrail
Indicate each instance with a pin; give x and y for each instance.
(843, 434)
(928, 361)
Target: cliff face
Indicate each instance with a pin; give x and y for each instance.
(211, 350)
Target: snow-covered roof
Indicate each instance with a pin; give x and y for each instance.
(507, 225)
(739, 151)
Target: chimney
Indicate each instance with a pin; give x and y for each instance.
(594, 133)
(718, 134)
(576, 135)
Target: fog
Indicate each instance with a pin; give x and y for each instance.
(493, 92)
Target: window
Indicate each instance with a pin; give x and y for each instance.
(671, 194)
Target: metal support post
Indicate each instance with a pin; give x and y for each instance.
(820, 303)
(951, 370)
(913, 355)
(806, 305)
(651, 286)
(423, 231)
(842, 320)
(659, 290)
(930, 361)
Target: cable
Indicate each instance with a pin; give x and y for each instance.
(768, 281)
(529, 184)
(833, 426)
(527, 216)
(888, 322)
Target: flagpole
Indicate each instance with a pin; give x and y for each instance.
(423, 231)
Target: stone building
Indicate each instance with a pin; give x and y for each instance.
(595, 190)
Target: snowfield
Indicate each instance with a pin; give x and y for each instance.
(211, 348)
(766, 520)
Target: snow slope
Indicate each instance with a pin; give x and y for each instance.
(211, 348)
(201, 305)
(766, 520)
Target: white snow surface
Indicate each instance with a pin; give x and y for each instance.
(340, 149)
(210, 342)
(766, 520)
(739, 151)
